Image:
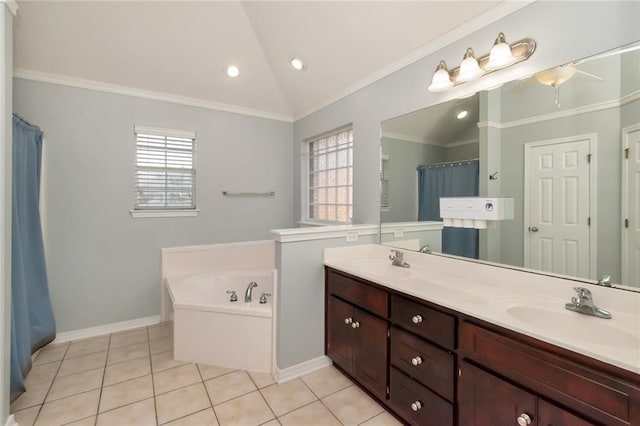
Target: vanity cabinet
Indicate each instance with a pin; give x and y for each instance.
(356, 339)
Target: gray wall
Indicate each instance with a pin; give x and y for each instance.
(468, 151)
(103, 265)
(6, 70)
(560, 38)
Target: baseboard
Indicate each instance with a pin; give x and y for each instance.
(301, 369)
(11, 421)
(67, 336)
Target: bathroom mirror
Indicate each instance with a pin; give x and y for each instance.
(562, 143)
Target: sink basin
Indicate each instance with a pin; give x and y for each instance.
(572, 325)
(379, 268)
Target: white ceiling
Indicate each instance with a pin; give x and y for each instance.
(180, 49)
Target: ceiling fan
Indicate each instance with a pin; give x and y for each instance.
(555, 77)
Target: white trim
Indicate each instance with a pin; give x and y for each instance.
(625, 203)
(322, 232)
(186, 134)
(391, 227)
(141, 214)
(627, 99)
(67, 336)
(493, 124)
(11, 421)
(593, 193)
(461, 143)
(494, 14)
(403, 137)
(301, 369)
(144, 94)
(206, 247)
(12, 5)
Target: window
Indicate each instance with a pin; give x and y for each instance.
(165, 172)
(331, 177)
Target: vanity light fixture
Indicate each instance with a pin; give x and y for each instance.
(297, 63)
(502, 55)
(232, 71)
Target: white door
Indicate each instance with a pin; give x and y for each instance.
(631, 206)
(557, 200)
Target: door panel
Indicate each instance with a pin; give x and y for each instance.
(370, 352)
(631, 207)
(339, 332)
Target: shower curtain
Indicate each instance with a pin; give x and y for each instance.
(32, 322)
(456, 179)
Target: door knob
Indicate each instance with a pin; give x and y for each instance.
(533, 228)
(524, 419)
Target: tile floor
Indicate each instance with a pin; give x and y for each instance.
(131, 378)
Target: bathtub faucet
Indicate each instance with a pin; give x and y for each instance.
(247, 294)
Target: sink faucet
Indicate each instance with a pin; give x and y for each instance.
(605, 281)
(583, 304)
(397, 259)
(247, 294)
(426, 249)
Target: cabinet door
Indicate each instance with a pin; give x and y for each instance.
(486, 400)
(550, 415)
(339, 332)
(370, 352)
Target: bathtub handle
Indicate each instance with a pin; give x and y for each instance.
(234, 296)
(263, 297)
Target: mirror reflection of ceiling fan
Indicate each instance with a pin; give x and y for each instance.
(555, 77)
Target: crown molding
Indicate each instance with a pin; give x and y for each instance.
(144, 94)
(462, 142)
(498, 12)
(405, 138)
(12, 5)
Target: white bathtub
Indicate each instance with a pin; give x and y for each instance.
(210, 329)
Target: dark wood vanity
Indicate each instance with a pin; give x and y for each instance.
(430, 365)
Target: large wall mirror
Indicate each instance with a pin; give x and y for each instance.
(563, 143)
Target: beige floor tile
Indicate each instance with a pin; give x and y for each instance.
(201, 418)
(326, 381)
(87, 421)
(42, 373)
(175, 378)
(35, 395)
(382, 419)
(288, 396)
(87, 346)
(128, 338)
(182, 402)
(274, 422)
(312, 414)
(352, 406)
(127, 353)
(212, 371)
(262, 380)
(69, 409)
(64, 386)
(229, 386)
(139, 414)
(82, 363)
(125, 393)
(160, 331)
(163, 361)
(51, 353)
(126, 370)
(27, 417)
(162, 344)
(249, 409)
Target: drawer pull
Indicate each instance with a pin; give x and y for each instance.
(355, 324)
(416, 361)
(417, 319)
(524, 419)
(348, 320)
(415, 406)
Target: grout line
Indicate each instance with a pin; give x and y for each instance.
(153, 381)
(104, 372)
(321, 401)
(206, 391)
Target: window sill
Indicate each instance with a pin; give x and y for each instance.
(141, 214)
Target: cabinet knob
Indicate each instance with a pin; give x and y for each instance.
(524, 419)
(417, 319)
(348, 320)
(416, 361)
(415, 406)
(355, 324)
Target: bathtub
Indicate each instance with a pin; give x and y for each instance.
(210, 329)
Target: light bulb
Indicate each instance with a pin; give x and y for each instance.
(462, 114)
(441, 80)
(501, 55)
(469, 68)
(232, 71)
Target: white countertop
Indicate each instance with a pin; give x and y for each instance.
(524, 302)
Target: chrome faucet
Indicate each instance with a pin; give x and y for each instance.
(605, 281)
(247, 294)
(583, 304)
(397, 259)
(425, 249)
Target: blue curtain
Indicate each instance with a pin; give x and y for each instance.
(32, 322)
(458, 179)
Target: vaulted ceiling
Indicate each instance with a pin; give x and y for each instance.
(180, 49)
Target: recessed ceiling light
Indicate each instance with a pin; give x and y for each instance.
(297, 63)
(232, 71)
(462, 114)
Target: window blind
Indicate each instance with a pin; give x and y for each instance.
(165, 172)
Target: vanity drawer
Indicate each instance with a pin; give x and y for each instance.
(426, 363)
(592, 393)
(429, 323)
(363, 295)
(432, 409)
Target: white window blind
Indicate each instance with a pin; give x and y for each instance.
(165, 171)
(331, 177)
